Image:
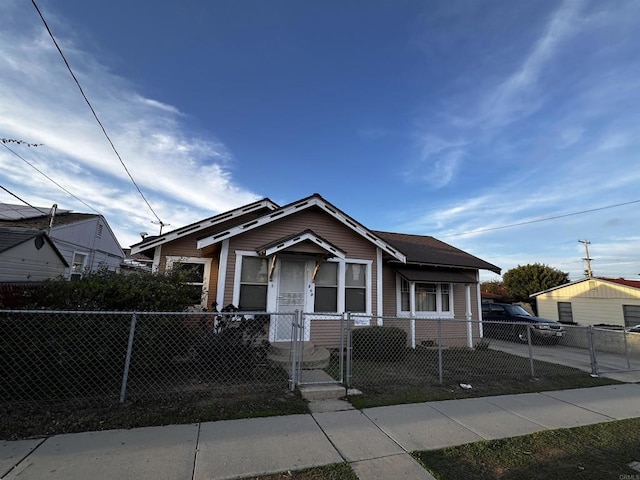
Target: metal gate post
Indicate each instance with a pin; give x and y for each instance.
(342, 335)
(300, 340)
(592, 352)
(533, 373)
(626, 348)
(294, 357)
(349, 349)
(127, 360)
(440, 369)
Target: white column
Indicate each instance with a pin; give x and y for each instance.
(412, 310)
(222, 272)
(379, 285)
(467, 291)
(155, 266)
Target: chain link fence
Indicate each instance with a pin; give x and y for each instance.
(118, 356)
(403, 353)
(56, 356)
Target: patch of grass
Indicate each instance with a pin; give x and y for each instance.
(29, 420)
(336, 471)
(594, 451)
(417, 377)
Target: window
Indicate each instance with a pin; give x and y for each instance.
(565, 314)
(631, 315)
(355, 287)
(430, 299)
(77, 266)
(326, 295)
(405, 292)
(196, 272)
(426, 294)
(254, 276)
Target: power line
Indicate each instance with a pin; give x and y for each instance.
(581, 212)
(23, 201)
(50, 179)
(93, 111)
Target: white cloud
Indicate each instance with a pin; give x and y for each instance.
(39, 103)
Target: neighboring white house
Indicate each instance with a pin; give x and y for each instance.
(28, 256)
(592, 301)
(85, 241)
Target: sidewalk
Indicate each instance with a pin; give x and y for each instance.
(375, 441)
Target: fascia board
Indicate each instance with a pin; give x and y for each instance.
(296, 207)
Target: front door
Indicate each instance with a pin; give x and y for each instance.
(294, 283)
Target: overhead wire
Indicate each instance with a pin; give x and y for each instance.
(95, 115)
(50, 179)
(545, 219)
(23, 201)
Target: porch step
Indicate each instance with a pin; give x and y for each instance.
(313, 357)
(322, 392)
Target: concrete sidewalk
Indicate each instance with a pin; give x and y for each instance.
(375, 441)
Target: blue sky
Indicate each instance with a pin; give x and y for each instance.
(443, 118)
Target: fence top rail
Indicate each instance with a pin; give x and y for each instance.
(143, 312)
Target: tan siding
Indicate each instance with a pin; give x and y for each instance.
(588, 311)
(325, 332)
(323, 225)
(389, 303)
(592, 302)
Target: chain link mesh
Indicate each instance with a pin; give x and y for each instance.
(406, 352)
(61, 356)
(54, 356)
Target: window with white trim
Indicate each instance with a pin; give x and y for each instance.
(78, 266)
(355, 287)
(254, 276)
(196, 272)
(430, 299)
(326, 291)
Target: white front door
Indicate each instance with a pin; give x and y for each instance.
(294, 293)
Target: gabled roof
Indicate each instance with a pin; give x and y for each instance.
(154, 241)
(305, 236)
(426, 250)
(11, 237)
(619, 281)
(312, 201)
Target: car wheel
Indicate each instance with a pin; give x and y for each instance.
(521, 334)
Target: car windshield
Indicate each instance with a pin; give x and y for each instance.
(518, 310)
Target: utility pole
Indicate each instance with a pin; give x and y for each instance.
(588, 272)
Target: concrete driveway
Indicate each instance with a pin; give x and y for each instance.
(609, 365)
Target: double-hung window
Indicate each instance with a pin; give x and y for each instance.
(196, 275)
(355, 288)
(429, 299)
(342, 287)
(78, 266)
(326, 292)
(254, 278)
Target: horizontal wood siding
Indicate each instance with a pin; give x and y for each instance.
(325, 332)
(355, 246)
(588, 311)
(389, 302)
(592, 289)
(26, 263)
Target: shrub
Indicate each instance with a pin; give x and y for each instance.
(379, 343)
(108, 291)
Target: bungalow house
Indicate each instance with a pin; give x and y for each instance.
(592, 301)
(28, 256)
(84, 240)
(312, 257)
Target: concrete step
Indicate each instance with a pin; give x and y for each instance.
(322, 392)
(284, 348)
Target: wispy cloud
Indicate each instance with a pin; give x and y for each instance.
(183, 175)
